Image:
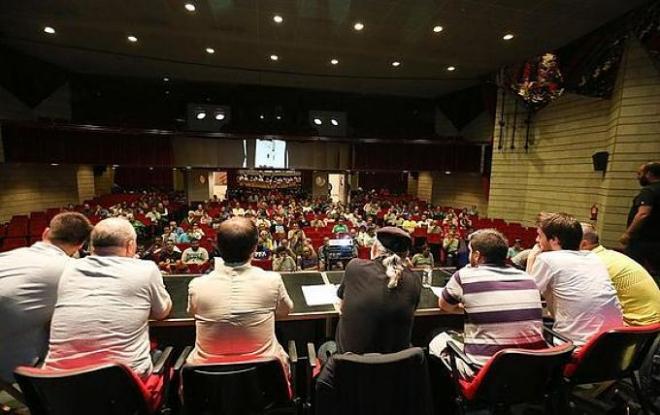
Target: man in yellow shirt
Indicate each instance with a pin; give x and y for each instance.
(637, 291)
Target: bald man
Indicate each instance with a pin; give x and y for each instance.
(235, 305)
(104, 302)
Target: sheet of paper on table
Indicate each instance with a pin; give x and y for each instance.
(437, 291)
(323, 294)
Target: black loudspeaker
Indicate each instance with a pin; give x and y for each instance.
(99, 170)
(600, 160)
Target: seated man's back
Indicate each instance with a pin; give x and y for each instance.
(104, 304)
(235, 305)
(28, 290)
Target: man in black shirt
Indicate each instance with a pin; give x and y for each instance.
(642, 237)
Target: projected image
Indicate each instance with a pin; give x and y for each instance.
(270, 153)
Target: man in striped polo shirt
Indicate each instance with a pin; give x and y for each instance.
(502, 304)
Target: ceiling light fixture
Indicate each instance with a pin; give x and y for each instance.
(210, 51)
(274, 57)
(190, 7)
(132, 39)
(358, 26)
(437, 29)
(396, 63)
(278, 19)
(318, 121)
(261, 117)
(166, 79)
(49, 30)
(201, 115)
(508, 36)
(334, 61)
(334, 122)
(219, 115)
(279, 117)
(54, 164)
(451, 68)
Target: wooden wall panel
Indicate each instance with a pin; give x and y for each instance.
(459, 190)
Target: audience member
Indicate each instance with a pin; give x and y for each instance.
(169, 259)
(423, 259)
(195, 254)
(450, 244)
(638, 294)
(283, 260)
(28, 290)
(574, 283)
(515, 249)
(308, 260)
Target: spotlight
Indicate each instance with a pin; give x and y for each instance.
(437, 29)
(132, 39)
(201, 115)
(278, 19)
(358, 26)
(210, 51)
(279, 117)
(49, 30)
(318, 121)
(190, 7)
(261, 116)
(219, 115)
(334, 122)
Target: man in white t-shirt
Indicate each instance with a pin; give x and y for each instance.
(28, 290)
(235, 305)
(575, 284)
(195, 254)
(104, 303)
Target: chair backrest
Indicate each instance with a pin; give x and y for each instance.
(109, 389)
(517, 375)
(234, 388)
(611, 355)
(394, 383)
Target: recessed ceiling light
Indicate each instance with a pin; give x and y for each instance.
(132, 38)
(279, 117)
(274, 57)
(261, 117)
(167, 92)
(49, 30)
(451, 68)
(334, 61)
(278, 19)
(190, 7)
(210, 51)
(508, 36)
(358, 26)
(437, 29)
(188, 167)
(151, 168)
(166, 79)
(447, 172)
(219, 116)
(334, 122)
(54, 164)
(201, 115)
(396, 63)
(318, 121)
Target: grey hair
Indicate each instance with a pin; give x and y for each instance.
(589, 233)
(393, 263)
(112, 233)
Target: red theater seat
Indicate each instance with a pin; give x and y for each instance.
(265, 264)
(108, 388)
(12, 243)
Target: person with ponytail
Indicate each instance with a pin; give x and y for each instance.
(379, 297)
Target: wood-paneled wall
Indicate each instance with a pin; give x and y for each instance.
(85, 183)
(28, 187)
(556, 173)
(459, 190)
(425, 186)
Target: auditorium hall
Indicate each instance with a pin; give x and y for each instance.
(330, 207)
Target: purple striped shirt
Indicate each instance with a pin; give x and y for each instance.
(502, 307)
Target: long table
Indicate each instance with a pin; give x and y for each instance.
(177, 286)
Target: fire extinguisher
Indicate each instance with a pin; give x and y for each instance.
(594, 212)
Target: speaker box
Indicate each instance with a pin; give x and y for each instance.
(600, 160)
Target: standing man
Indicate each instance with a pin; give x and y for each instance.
(575, 284)
(28, 290)
(104, 303)
(641, 239)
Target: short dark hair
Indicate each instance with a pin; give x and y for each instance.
(237, 239)
(652, 167)
(71, 228)
(491, 244)
(562, 226)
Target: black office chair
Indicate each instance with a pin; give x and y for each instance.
(238, 387)
(510, 377)
(383, 384)
(104, 389)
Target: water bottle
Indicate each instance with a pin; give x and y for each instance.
(427, 277)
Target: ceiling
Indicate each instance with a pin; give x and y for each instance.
(91, 37)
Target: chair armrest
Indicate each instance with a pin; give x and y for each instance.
(293, 364)
(162, 361)
(553, 333)
(311, 355)
(181, 360)
(293, 352)
(455, 351)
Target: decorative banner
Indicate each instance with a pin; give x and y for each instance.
(269, 179)
(538, 81)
